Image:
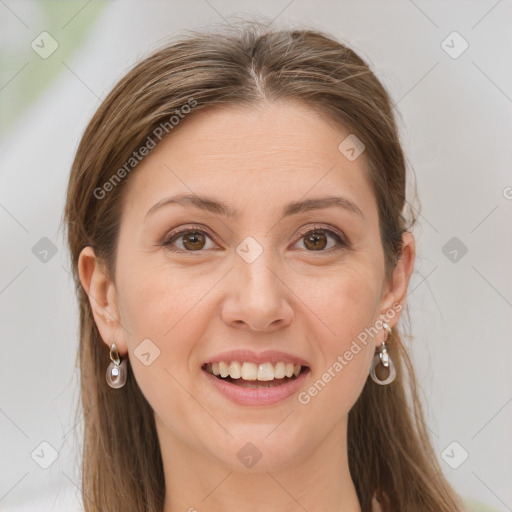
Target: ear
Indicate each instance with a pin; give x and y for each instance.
(102, 296)
(395, 289)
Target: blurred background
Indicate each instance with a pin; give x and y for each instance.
(445, 65)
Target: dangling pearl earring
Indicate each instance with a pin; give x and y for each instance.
(382, 356)
(117, 370)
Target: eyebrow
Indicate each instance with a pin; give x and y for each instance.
(220, 208)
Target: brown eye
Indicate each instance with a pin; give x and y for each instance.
(317, 239)
(192, 240)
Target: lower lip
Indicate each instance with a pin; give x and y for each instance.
(257, 396)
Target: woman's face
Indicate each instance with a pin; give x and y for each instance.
(253, 281)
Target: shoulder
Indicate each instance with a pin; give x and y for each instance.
(377, 505)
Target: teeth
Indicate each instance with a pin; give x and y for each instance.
(235, 370)
(249, 371)
(252, 371)
(223, 369)
(279, 370)
(266, 372)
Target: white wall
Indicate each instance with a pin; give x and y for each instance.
(456, 120)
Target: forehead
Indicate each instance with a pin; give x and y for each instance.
(254, 156)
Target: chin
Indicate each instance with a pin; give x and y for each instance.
(255, 452)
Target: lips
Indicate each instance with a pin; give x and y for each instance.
(261, 394)
(251, 378)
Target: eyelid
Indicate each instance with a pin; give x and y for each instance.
(185, 229)
(327, 228)
(343, 241)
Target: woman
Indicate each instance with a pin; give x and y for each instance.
(234, 216)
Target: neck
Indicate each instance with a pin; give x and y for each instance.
(314, 482)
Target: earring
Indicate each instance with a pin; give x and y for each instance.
(117, 369)
(382, 356)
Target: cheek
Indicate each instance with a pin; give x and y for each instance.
(333, 393)
(158, 300)
(162, 321)
(346, 302)
(345, 355)
(169, 308)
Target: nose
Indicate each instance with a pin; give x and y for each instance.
(258, 298)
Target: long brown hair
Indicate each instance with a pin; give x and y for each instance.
(389, 450)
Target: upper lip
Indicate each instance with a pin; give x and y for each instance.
(268, 356)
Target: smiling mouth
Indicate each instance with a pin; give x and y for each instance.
(251, 381)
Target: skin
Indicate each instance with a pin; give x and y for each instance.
(196, 304)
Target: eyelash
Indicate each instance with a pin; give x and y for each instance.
(197, 229)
